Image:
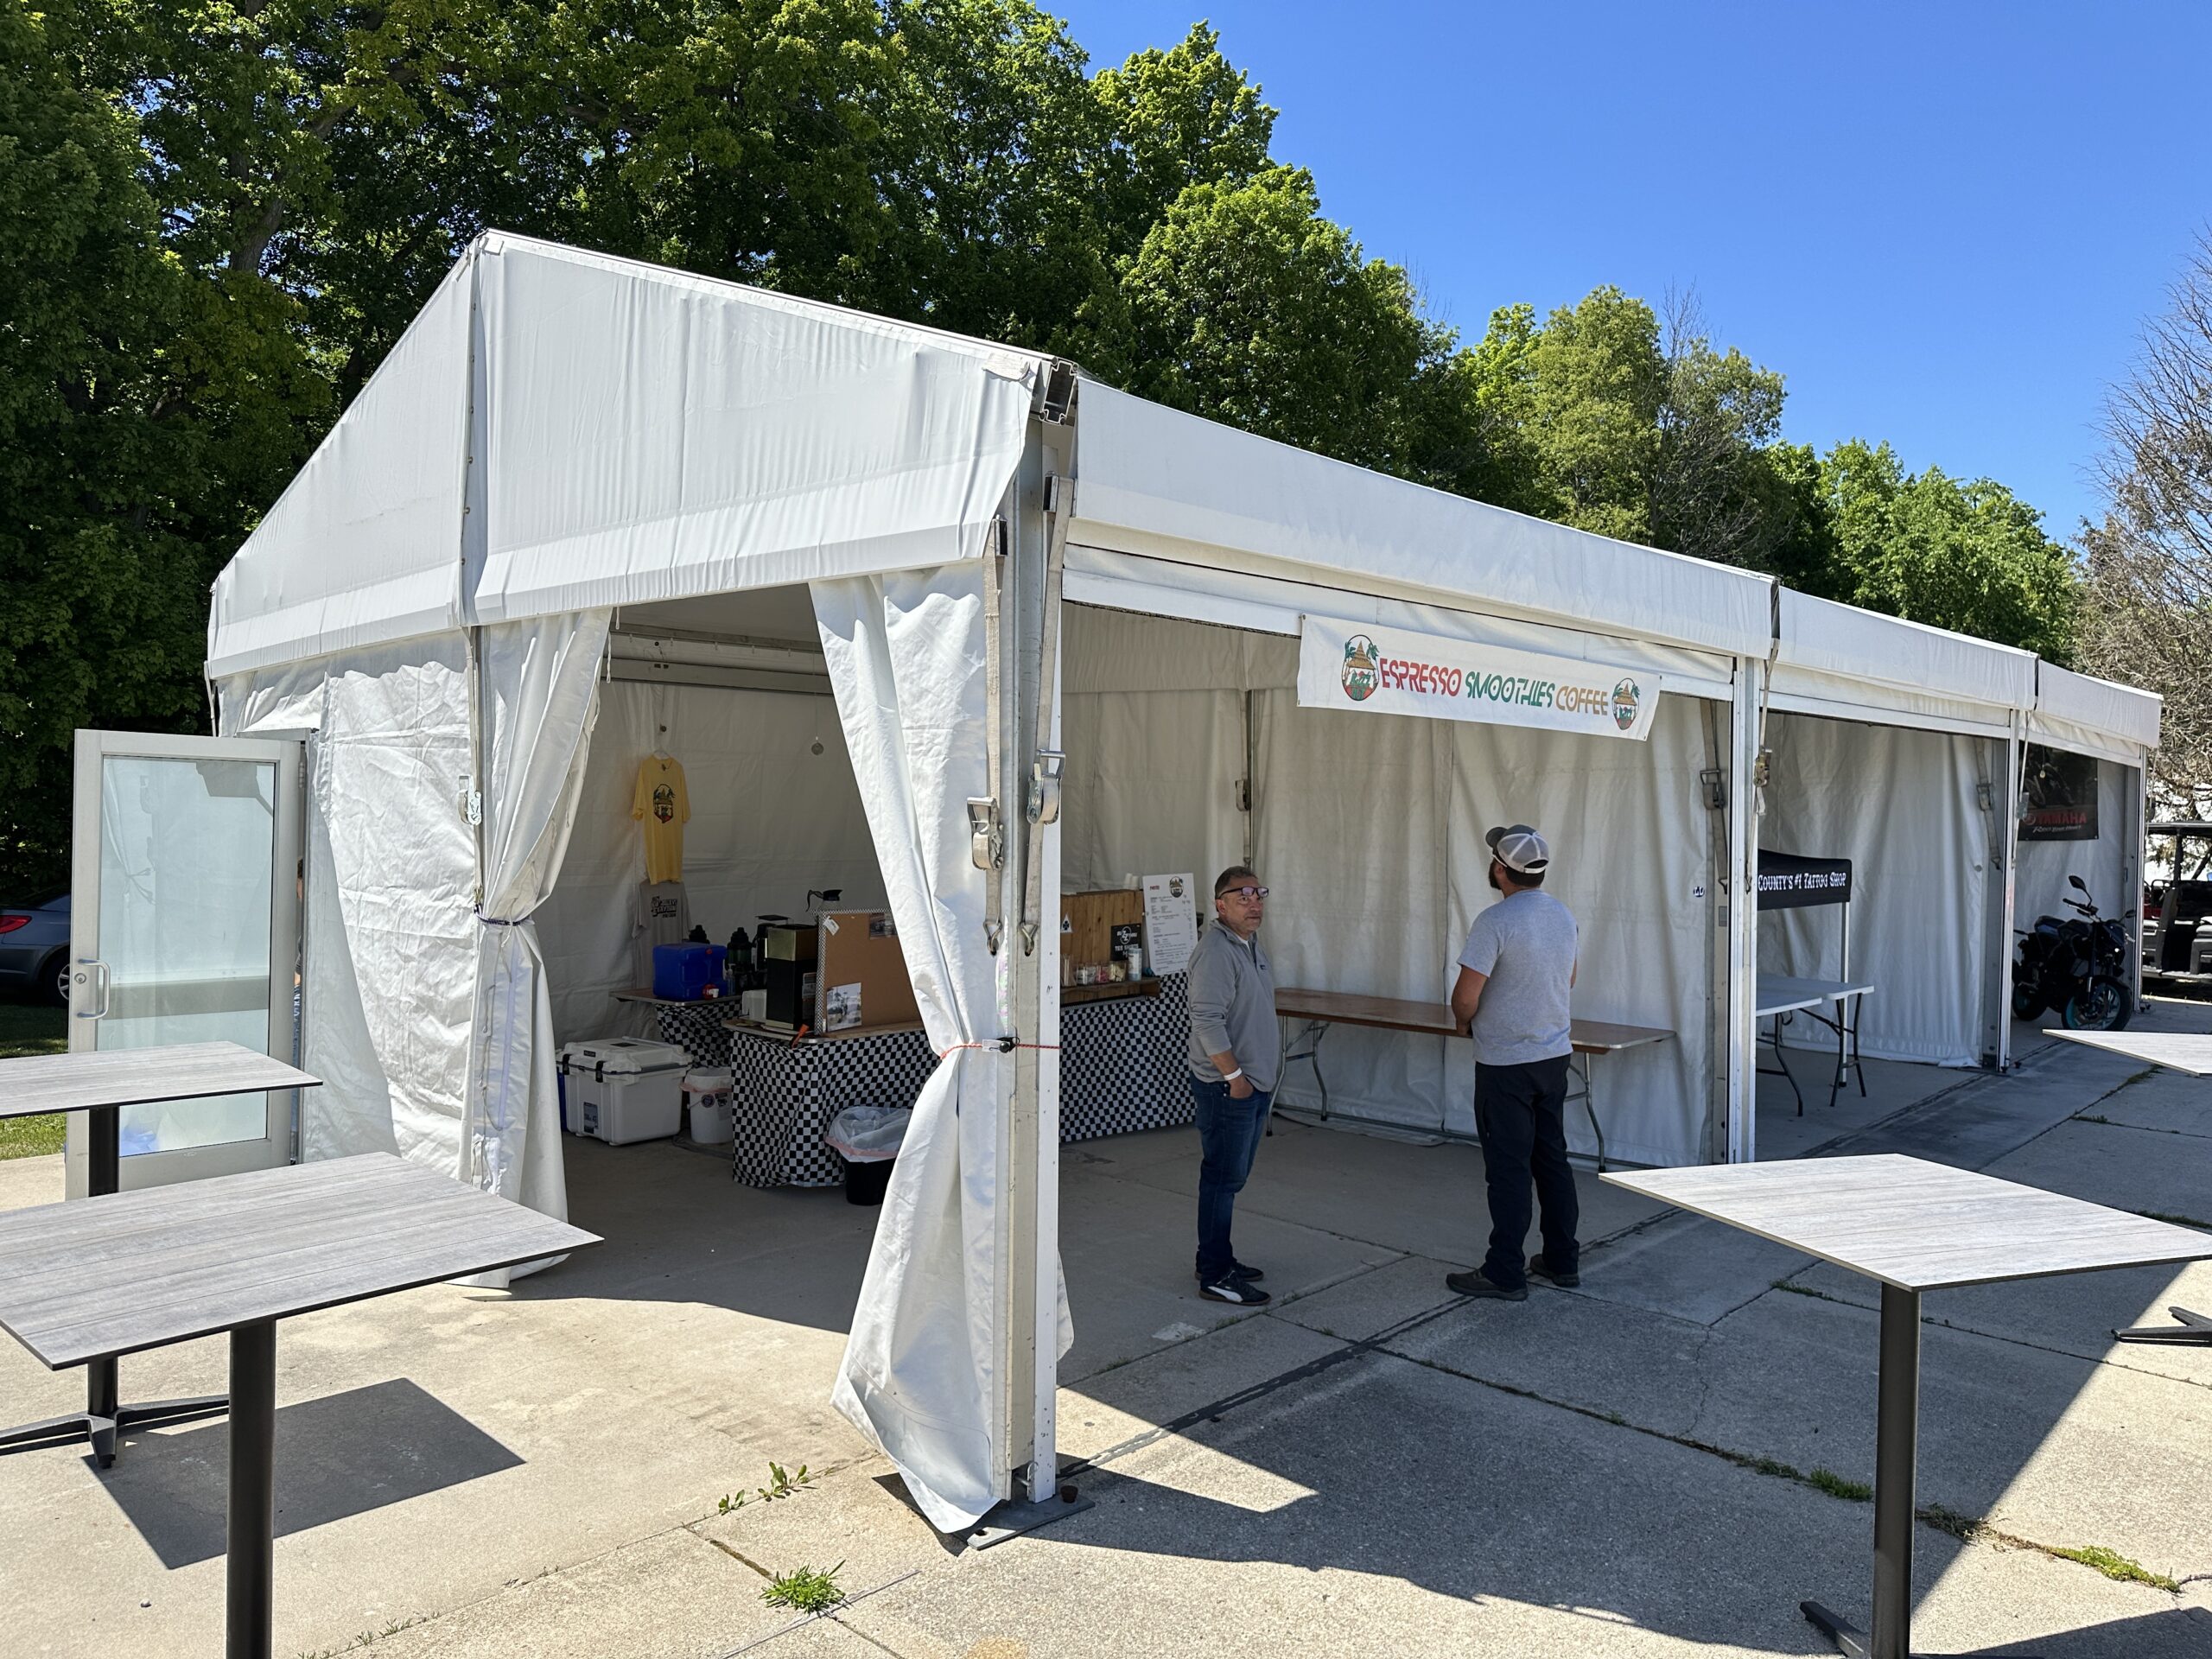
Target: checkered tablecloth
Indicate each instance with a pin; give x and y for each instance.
(1121, 1070)
(698, 1028)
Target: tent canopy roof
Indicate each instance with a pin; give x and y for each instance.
(560, 430)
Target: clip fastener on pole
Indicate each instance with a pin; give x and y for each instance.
(1045, 776)
(986, 833)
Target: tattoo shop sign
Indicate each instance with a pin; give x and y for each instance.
(1396, 671)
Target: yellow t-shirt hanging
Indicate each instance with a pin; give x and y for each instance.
(662, 807)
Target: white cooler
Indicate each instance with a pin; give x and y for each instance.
(624, 1089)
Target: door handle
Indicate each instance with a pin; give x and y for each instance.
(92, 971)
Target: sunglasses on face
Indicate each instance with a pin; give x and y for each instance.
(1246, 894)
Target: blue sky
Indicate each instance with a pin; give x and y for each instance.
(1944, 223)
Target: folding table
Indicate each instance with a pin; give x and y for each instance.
(80, 1283)
(1779, 996)
(1322, 1010)
(101, 1083)
(1915, 1226)
(2190, 1053)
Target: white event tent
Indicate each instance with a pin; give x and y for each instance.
(993, 561)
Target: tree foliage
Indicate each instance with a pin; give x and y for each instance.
(2147, 604)
(220, 214)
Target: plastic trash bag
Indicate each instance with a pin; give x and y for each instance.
(867, 1135)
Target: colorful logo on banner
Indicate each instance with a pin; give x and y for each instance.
(1395, 672)
(1363, 668)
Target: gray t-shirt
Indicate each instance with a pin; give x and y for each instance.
(1526, 944)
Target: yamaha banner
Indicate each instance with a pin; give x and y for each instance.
(1396, 671)
(1789, 882)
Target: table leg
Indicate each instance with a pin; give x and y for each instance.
(1590, 1103)
(1781, 1060)
(1896, 1426)
(251, 1529)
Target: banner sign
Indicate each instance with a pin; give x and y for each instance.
(2058, 796)
(1789, 882)
(1396, 671)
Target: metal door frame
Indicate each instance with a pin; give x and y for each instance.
(88, 978)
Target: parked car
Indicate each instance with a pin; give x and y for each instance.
(2178, 910)
(34, 949)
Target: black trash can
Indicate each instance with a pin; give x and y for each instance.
(866, 1183)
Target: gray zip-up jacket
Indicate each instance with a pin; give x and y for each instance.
(1232, 993)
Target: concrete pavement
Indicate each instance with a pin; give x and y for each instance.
(1369, 1466)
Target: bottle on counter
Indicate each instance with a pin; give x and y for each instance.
(738, 963)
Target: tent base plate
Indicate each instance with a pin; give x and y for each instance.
(1011, 1519)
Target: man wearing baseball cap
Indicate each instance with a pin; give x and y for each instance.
(1511, 997)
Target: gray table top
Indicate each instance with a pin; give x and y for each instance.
(2178, 1051)
(1780, 993)
(1917, 1225)
(139, 1077)
(112, 1275)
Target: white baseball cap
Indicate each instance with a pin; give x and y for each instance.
(1520, 848)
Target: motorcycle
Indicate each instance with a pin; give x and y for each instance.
(2076, 966)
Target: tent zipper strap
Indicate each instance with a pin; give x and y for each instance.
(1044, 784)
(990, 853)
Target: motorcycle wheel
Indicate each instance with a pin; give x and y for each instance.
(2102, 1005)
(2027, 1002)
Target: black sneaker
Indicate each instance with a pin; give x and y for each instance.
(1241, 1292)
(1542, 1270)
(1473, 1284)
(1239, 1270)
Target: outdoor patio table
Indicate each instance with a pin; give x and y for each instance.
(1778, 995)
(2190, 1053)
(1321, 1009)
(102, 1082)
(1915, 1226)
(83, 1282)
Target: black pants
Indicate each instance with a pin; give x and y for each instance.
(1520, 1112)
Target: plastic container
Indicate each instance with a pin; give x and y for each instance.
(624, 1089)
(683, 972)
(707, 1117)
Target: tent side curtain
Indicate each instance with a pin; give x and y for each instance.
(363, 546)
(1153, 479)
(650, 436)
(907, 659)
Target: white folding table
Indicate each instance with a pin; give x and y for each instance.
(1779, 996)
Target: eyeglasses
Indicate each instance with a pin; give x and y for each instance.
(1242, 893)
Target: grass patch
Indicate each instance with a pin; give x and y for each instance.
(26, 1029)
(1773, 1466)
(2117, 1567)
(805, 1589)
(1807, 1290)
(2177, 1221)
(1835, 1485)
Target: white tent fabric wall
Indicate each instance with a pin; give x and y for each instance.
(390, 945)
(2040, 883)
(921, 1374)
(1633, 858)
(1904, 807)
(538, 682)
(1370, 829)
(769, 819)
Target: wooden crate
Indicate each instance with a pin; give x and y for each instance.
(1087, 924)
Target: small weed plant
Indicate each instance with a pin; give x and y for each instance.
(805, 1589)
(782, 1483)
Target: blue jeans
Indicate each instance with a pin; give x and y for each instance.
(1229, 1138)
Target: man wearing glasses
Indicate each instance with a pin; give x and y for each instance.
(1235, 1053)
(1512, 998)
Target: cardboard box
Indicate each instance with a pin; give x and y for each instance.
(862, 973)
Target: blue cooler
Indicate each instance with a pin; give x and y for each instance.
(683, 972)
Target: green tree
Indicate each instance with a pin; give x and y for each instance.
(1245, 305)
(144, 418)
(1968, 557)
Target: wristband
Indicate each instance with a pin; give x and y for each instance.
(1232, 1077)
